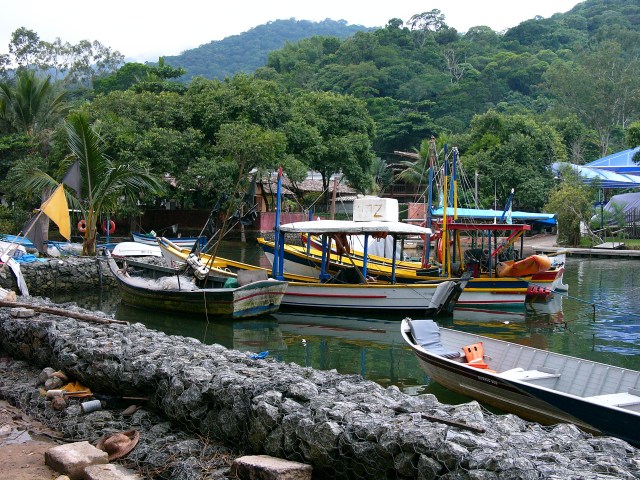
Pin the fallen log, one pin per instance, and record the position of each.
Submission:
(62, 312)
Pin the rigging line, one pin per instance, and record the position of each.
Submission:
(206, 314)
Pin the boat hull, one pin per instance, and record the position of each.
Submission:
(499, 292)
(184, 242)
(497, 392)
(257, 298)
(548, 388)
(503, 293)
(414, 298)
(135, 249)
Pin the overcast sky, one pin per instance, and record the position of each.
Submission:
(142, 30)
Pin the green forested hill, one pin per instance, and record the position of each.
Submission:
(248, 51)
(564, 88)
(422, 76)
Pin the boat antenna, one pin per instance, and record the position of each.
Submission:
(495, 200)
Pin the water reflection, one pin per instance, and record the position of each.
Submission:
(372, 346)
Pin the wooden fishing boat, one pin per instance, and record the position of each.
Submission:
(486, 288)
(163, 288)
(150, 239)
(135, 249)
(338, 294)
(535, 384)
(176, 256)
(499, 293)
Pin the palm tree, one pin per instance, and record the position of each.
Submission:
(104, 185)
(416, 171)
(31, 105)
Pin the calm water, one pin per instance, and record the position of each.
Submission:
(599, 320)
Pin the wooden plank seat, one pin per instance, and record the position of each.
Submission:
(620, 399)
(527, 375)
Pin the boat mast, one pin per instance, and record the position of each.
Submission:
(445, 196)
(278, 261)
(427, 242)
(458, 246)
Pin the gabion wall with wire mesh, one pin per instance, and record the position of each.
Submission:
(164, 451)
(59, 275)
(342, 425)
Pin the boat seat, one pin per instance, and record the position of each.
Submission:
(426, 333)
(621, 399)
(527, 375)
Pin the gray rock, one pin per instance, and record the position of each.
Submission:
(346, 427)
(71, 459)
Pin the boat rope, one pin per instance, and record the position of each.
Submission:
(206, 311)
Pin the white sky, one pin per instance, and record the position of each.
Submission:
(142, 30)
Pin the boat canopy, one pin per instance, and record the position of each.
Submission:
(355, 228)
(489, 214)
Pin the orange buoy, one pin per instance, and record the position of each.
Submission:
(82, 226)
(112, 227)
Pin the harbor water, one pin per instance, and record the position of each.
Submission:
(597, 319)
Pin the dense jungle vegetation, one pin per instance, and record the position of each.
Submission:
(246, 52)
(564, 88)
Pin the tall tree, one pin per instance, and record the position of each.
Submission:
(571, 200)
(602, 88)
(78, 63)
(512, 151)
(337, 137)
(105, 186)
(30, 105)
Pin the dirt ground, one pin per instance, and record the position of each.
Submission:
(23, 442)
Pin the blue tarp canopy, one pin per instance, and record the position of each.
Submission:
(617, 170)
(488, 214)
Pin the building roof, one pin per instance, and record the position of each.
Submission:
(620, 162)
(604, 177)
(307, 185)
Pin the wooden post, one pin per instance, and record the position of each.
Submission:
(333, 197)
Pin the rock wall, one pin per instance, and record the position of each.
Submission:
(344, 426)
(59, 275)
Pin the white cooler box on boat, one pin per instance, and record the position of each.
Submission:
(370, 209)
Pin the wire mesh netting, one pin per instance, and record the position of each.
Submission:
(207, 405)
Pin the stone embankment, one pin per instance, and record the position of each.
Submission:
(60, 275)
(344, 426)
